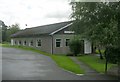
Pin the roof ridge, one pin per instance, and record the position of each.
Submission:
(45, 29)
(48, 25)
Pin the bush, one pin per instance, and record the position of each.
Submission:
(75, 46)
(112, 54)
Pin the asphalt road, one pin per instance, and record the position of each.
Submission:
(26, 65)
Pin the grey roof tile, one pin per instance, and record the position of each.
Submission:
(40, 30)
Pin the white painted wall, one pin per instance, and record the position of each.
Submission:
(12, 42)
(87, 47)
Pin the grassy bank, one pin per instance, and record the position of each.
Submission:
(67, 63)
(25, 48)
(62, 61)
(95, 63)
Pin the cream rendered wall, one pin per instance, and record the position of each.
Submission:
(87, 47)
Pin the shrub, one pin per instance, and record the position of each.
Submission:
(75, 46)
(112, 54)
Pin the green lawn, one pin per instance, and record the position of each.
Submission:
(95, 63)
(62, 61)
(67, 63)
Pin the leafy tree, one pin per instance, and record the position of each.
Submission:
(98, 22)
(3, 29)
(11, 30)
(75, 46)
(112, 55)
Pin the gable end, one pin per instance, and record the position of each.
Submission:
(60, 29)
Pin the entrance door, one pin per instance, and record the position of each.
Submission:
(82, 47)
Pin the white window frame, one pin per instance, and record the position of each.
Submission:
(24, 43)
(66, 41)
(37, 42)
(30, 43)
(60, 43)
(12, 42)
(19, 42)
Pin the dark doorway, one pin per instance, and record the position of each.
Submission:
(82, 47)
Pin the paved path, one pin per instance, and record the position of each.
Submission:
(26, 65)
(89, 71)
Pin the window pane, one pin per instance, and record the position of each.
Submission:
(67, 42)
(15, 42)
(20, 42)
(58, 42)
(25, 42)
(38, 42)
(31, 43)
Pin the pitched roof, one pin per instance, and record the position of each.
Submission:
(41, 30)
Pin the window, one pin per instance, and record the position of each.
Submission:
(24, 43)
(31, 43)
(58, 42)
(15, 42)
(67, 42)
(19, 43)
(12, 42)
(38, 43)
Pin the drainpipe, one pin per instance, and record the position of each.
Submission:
(52, 44)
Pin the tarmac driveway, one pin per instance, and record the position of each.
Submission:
(26, 65)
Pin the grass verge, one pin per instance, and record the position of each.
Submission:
(95, 63)
(67, 63)
(62, 61)
(25, 48)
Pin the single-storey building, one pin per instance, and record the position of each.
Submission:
(52, 38)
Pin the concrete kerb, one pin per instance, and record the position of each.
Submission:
(72, 72)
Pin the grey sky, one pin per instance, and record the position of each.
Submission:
(34, 12)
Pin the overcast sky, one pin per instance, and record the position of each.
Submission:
(34, 12)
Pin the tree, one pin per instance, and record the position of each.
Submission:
(6, 32)
(11, 30)
(3, 29)
(97, 22)
(75, 46)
